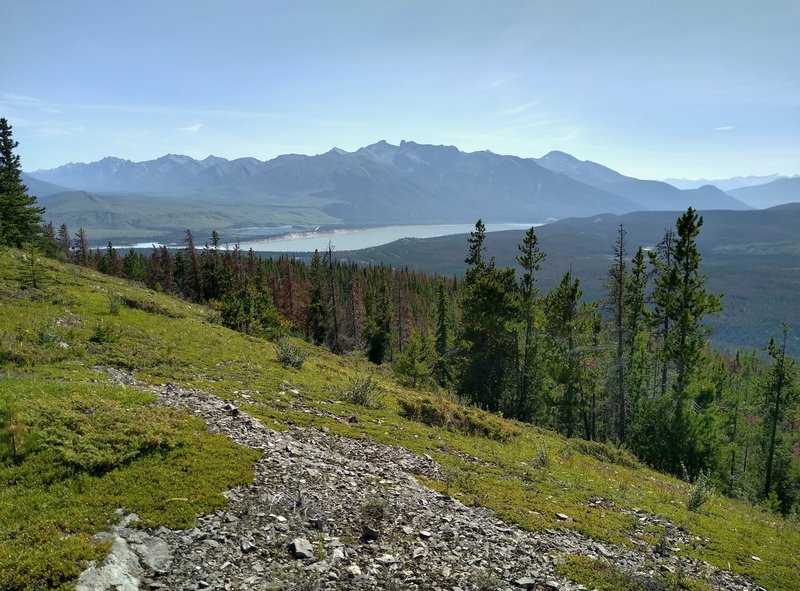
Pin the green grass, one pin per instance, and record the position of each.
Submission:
(526, 475)
(604, 576)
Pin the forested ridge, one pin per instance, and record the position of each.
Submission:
(636, 369)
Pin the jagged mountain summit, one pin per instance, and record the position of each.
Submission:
(378, 184)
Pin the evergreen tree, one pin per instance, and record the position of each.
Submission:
(563, 316)
(20, 218)
(442, 369)
(780, 395)
(81, 248)
(193, 283)
(662, 297)
(133, 266)
(476, 247)
(317, 310)
(683, 301)
(490, 311)
(412, 364)
(636, 358)
(33, 273)
(212, 271)
(49, 241)
(530, 259)
(334, 338)
(378, 330)
(64, 243)
(616, 303)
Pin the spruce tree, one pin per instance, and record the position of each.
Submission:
(780, 394)
(530, 259)
(563, 316)
(683, 302)
(20, 218)
(616, 303)
(490, 312)
(442, 369)
(317, 310)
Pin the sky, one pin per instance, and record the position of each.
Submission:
(653, 89)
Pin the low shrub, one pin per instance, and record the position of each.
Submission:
(290, 354)
(373, 510)
(604, 452)
(149, 306)
(114, 303)
(363, 391)
(105, 333)
(437, 412)
(701, 492)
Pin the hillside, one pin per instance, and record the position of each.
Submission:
(782, 190)
(378, 184)
(743, 253)
(100, 379)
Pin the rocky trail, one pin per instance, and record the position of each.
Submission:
(326, 512)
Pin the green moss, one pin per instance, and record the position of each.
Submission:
(604, 576)
(80, 451)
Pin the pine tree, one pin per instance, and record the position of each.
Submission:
(49, 241)
(64, 243)
(193, 282)
(133, 266)
(81, 248)
(530, 259)
(682, 303)
(636, 358)
(563, 315)
(617, 282)
(442, 369)
(317, 310)
(780, 395)
(378, 330)
(334, 338)
(412, 364)
(490, 312)
(664, 286)
(476, 247)
(20, 218)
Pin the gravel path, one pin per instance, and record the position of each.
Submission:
(327, 512)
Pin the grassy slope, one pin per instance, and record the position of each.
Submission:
(525, 474)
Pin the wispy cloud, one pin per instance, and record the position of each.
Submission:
(194, 128)
(723, 128)
(18, 98)
(518, 109)
(502, 81)
(57, 129)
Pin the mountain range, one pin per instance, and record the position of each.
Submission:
(375, 185)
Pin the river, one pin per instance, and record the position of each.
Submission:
(353, 239)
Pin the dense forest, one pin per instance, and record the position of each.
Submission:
(635, 369)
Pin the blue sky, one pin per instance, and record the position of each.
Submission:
(653, 89)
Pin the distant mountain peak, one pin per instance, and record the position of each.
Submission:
(385, 182)
(560, 155)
